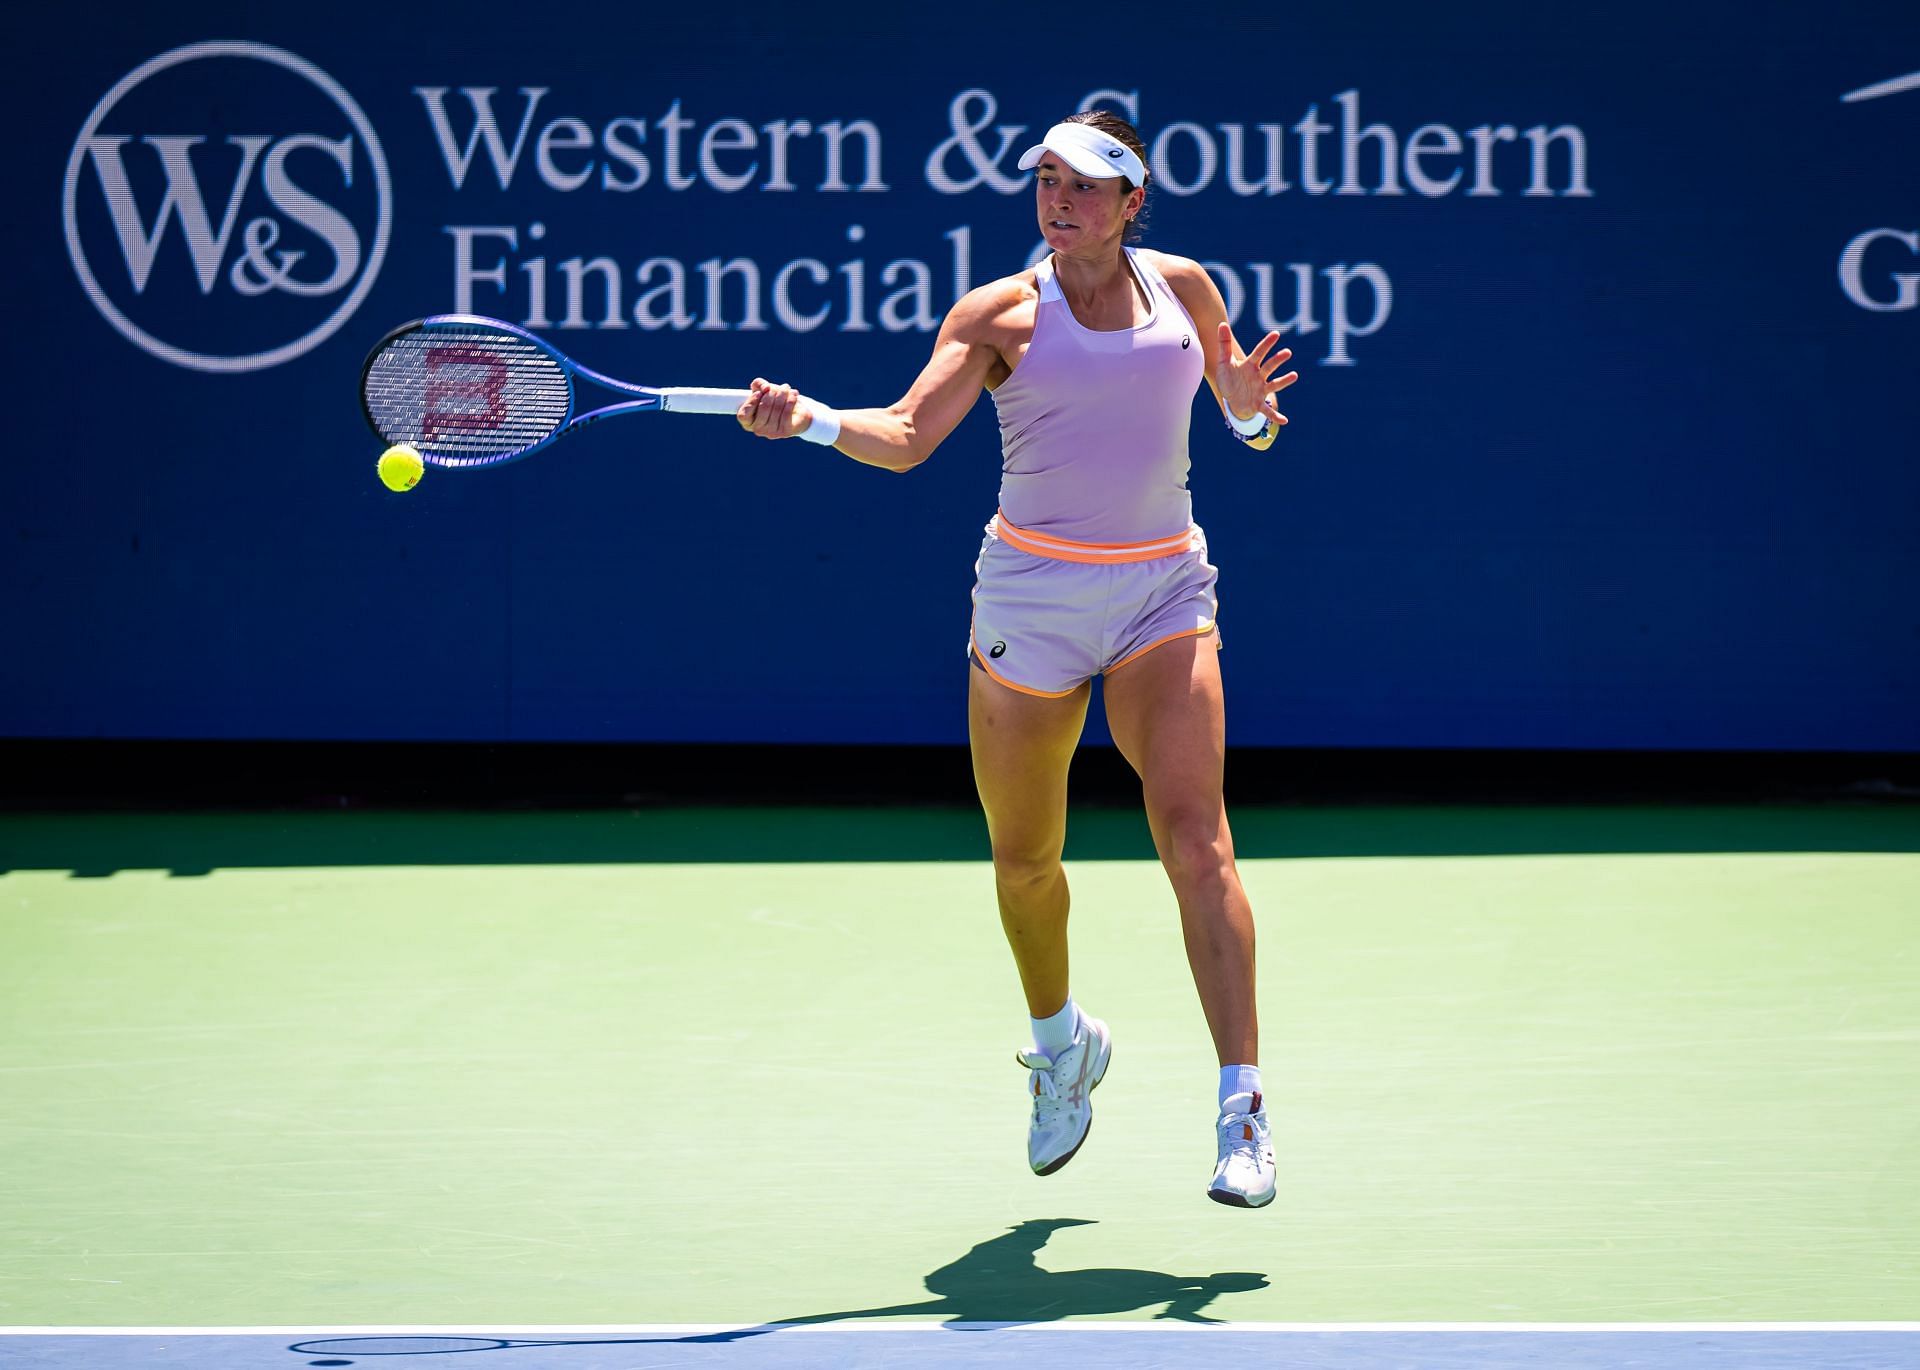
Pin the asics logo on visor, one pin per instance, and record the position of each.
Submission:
(1115, 153)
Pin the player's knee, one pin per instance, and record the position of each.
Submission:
(1017, 868)
(1196, 852)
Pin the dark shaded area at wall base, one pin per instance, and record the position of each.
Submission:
(147, 774)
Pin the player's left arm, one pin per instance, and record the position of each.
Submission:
(1242, 382)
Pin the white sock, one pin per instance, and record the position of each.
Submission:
(1054, 1035)
(1238, 1080)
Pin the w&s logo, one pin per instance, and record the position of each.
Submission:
(227, 206)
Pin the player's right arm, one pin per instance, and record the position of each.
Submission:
(904, 434)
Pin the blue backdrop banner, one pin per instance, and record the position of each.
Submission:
(1607, 321)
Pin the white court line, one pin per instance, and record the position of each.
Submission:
(695, 1329)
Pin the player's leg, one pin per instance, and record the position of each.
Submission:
(1167, 715)
(1022, 746)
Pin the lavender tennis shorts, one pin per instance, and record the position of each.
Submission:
(1050, 614)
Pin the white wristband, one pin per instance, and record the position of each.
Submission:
(825, 426)
(1252, 427)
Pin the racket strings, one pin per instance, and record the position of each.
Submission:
(466, 396)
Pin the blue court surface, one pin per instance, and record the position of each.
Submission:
(1106, 1346)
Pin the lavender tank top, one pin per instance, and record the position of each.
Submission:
(1093, 425)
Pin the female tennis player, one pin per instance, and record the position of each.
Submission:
(1093, 566)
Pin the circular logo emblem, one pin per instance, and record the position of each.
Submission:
(228, 194)
(999, 650)
(1186, 341)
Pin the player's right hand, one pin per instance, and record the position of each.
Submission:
(772, 411)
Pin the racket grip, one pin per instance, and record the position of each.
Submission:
(687, 399)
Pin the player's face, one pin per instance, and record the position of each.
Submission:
(1078, 211)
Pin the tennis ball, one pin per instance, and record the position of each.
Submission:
(400, 467)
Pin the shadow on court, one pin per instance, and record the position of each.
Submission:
(98, 844)
(998, 1283)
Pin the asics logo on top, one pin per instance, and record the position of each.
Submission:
(227, 206)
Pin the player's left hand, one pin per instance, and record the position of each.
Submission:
(1248, 385)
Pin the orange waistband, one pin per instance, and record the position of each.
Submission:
(1097, 553)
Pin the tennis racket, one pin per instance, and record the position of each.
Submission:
(471, 391)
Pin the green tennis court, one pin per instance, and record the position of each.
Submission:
(743, 1066)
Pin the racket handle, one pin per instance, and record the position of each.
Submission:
(687, 399)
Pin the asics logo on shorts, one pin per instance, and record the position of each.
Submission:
(999, 650)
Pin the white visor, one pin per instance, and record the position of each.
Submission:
(1088, 151)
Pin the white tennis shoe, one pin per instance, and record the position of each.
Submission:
(1244, 1176)
(1062, 1090)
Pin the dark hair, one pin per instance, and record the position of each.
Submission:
(1111, 124)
